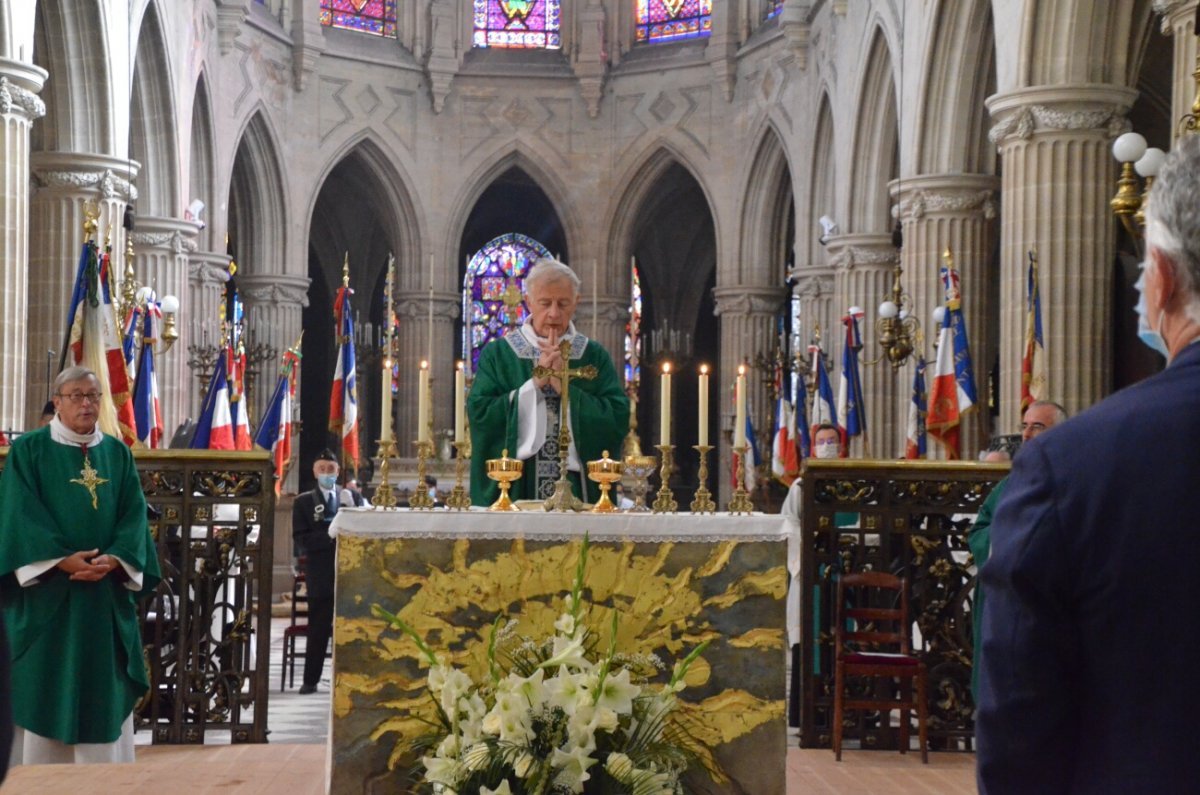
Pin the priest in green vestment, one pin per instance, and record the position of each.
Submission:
(75, 556)
(511, 409)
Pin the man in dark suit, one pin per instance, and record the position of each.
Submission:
(311, 514)
(1089, 650)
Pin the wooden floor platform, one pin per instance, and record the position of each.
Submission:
(300, 770)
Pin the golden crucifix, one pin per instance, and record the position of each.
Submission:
(89, 478)
(562, 499)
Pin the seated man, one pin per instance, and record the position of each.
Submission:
(511, 409)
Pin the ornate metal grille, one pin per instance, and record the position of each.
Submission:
(909, 518)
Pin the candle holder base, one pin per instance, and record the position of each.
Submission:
(385, 495)
(740, 502)
(563, 499)
(665, 501)
(459, 499)
(420, 499)
(703, 502)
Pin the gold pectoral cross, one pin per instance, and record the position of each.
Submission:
(562, 499)
(89, 478)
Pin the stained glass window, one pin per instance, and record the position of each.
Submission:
(377, 17)
(672, 20)
(518, 24)
(633, 333)
(773, 8)
(492, 285)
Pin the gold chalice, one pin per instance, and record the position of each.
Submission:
(606, 472)
(504, 470)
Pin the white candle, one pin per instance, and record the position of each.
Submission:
(664, 429)
(385, 401)
(739, 416)
(423, 403)
(460, 405)
(703, 436)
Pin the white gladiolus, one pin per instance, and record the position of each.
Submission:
(503, 789)
(618, 693)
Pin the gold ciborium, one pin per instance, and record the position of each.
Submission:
(639, 467)
(606, 472)
(504, 470)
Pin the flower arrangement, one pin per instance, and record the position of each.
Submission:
(554, 716)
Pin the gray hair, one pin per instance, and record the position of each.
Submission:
(548, 270)
(1060, 413)
(1171, 216)
(71, 374)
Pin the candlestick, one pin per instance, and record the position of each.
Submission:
(739, 416)
(385, 496)
(460, 405)
(702, 438)
(420, 499)
(665, 501)
(740, 503)
(423, 403)
(459, 499)
(703, 502)
(664, 424)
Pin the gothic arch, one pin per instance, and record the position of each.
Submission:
(1078, 42)
(768, 198)
(71, 43)
(256, 212)
(874, 160)
(960, 73)
(152, 122)
(538, 170)
(202, 157)
(822, 190)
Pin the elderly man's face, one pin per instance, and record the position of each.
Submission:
(78, 404)
(1036, 420)
(551, 306)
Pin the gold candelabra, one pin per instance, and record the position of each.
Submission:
(897, 329)
(703, 502)
(385, 495)
(420, 499)
(740, 502)
(665, 501)
(459, 499)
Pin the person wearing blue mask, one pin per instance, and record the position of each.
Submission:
(1086, 679)
(312, 513)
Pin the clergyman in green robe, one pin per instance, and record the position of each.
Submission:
(75, 556)
(511, 409)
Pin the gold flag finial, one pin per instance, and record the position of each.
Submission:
(346, 270)
(91, 218)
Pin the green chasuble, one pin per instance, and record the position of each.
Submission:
(979, 539)
(599, 412)
(77, 667)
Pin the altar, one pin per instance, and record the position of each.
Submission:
(674, 580)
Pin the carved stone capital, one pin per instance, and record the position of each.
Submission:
(414, 307)
(1175, 15)
(206, 271)
(813, 286)
(12, 96)
(1087, 108)
(949, 201)
(174, 240)
(48, 173)
(277, 294)
(849, 257)
(747, 301)
(606, 312)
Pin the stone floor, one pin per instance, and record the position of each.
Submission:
(293, 763)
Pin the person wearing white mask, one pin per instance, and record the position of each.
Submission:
(1086, 675)
(311, 514)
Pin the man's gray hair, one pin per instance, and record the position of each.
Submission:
(1172, 223)
(547, 270)
(1060, 413)
(72, 374)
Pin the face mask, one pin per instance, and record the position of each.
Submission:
(827, 450)
(327, 482)
(1150, 336)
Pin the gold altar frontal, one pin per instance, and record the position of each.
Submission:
(675, 580)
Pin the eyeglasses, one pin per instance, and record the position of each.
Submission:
(1033, 426)
(80, 397)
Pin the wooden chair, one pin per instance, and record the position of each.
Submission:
(294, 630)
(872, 640)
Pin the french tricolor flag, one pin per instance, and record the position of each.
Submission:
(214, 431)
(952, 393)
(823, 411)
(915, 442)
(343, 399)
(146, 408)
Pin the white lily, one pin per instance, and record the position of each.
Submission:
(617, 693)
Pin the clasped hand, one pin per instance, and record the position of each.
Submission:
(88, 565)
(550, 357)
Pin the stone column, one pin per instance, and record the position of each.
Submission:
(815, 287)
(65, 182)
(1178, 20)
(612, 314)
(274, 303)
(413, 346)
(19, 108)
(864, 268)
(1058, 177)
(747, 316)
(161, 247)
(955, 212)
(199, 326)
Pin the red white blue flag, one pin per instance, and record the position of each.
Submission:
(343, 400)
(952, 393)
(214, 430)
(275, 430)
(852, 416)
(1033, 362)
(823, 411)
(916, 441)
(146, 406)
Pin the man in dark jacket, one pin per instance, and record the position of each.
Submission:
(1088, 674)
(311, 514)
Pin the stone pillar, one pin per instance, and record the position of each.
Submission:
(65, 183)
(1178, 20)
(413, 345)
(274, 303)
(612, 314)
(864, 268)
(955, 212)
(747, 316)
(19, 108)
(200, 328)
(815, 287)
(1058, 177)
(161, 247)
